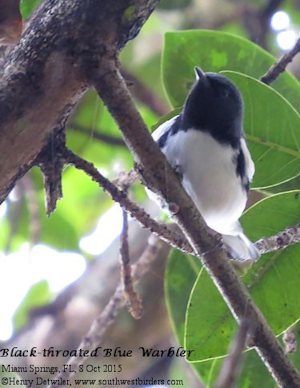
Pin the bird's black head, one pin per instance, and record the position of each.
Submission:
(214, 105)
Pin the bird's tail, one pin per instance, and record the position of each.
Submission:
(240, 247)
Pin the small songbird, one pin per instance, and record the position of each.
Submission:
(205, 144)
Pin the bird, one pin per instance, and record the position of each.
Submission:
(205, 144)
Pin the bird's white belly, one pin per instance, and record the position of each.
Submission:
(209, 177)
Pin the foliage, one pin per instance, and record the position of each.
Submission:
(39, 294)
(28, 6)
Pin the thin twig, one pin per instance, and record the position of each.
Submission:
(280, 66)
(126, 179)
(281, 240)
(135, 306)
(163, 231)
(96, 334)
(231, 366)
(290, 341)
(107, 139)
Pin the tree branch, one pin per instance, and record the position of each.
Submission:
(155, 169)
(280, 66)
(232, 363)
(281, 240)
(135, 306)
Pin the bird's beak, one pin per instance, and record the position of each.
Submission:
(199, 73)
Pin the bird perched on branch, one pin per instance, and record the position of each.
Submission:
(206, 146)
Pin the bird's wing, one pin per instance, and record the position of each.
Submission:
(249, 165)
(163, 128)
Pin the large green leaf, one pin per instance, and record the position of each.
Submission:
(216, 51)
(209, 324)
(272, 129)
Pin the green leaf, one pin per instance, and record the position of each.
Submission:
(58, 231)
(252, 374)
(277, 298)
(39, 294)
(272, 130)
(82, 204)
(28, 6)
(216, 51)
(292, 184)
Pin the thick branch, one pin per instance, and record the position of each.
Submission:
(113, 91)
(63, 39)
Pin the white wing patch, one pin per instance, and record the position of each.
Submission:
(249, 165)
(163, 128)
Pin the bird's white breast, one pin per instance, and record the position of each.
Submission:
(209, 177)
